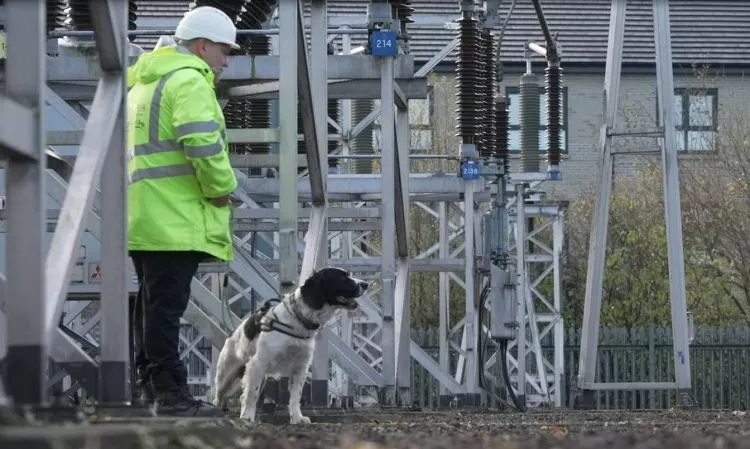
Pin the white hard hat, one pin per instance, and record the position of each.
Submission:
(209, 23)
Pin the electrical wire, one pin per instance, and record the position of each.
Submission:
(506, 375)
(501, 33)
(480, 346)
(481, 351)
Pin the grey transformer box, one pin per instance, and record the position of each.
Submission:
(503, 299)
(495, 238)
(503, 304)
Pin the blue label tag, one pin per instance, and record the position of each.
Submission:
(470, 170)
(383, 43)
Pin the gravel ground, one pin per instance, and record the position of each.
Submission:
(376, 430)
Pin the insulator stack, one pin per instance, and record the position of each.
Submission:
(481, 96)
(468, 81)
(55, 14)
(502, 120)
(235, 112)
(232, 8)
(235, 115)
(252, 17)
(553, 83)
(258, 113)
(334, 111)
(529, 107)
(402, 10)
(79, 15)
(132, 17)
(490, 81)
(255, 13)
(363, 143)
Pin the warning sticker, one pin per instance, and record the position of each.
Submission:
(95, 273)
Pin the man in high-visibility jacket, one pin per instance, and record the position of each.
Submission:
(179, 195)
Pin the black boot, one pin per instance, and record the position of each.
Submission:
(173, 399)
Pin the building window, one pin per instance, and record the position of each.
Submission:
(696, 118)
(514, 128)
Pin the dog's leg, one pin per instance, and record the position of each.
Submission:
(296, 383)
(251, 384)
(224, 366)
(225, 381)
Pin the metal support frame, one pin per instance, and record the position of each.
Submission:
(114, 368)
(402, 305)
(25, 301)
(388, 231)
(373, 347)
(541, 314)
(33, 306)
(587, 383)
(288, 97)
(314, 109)
(471, 316)
(76, 69)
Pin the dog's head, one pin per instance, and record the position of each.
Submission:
(332, 287)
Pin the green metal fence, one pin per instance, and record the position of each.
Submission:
(720, 360)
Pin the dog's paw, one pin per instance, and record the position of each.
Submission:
(247, 418)
(299, 420)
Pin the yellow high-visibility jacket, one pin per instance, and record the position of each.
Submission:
(177, 157)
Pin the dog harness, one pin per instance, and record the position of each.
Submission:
(271, 323)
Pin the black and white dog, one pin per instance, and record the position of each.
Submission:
(279, 340)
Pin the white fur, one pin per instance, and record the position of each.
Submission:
(271, 354)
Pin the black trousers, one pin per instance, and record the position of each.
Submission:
(164, 279)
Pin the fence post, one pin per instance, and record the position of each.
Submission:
(651, 361)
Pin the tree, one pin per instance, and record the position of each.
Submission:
(715, 217)
(432, 134)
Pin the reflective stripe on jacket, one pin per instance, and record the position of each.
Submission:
(178, 157)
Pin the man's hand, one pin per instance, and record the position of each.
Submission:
(221, 201)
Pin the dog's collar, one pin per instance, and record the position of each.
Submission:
(270, 322)
(309, 325)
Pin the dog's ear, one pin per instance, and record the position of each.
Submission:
(312, 291)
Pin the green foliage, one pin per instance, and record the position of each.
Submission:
(715, 201)
(636, 275)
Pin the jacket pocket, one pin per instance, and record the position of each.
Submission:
(218, 224)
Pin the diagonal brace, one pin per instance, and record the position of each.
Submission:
(109, 42)
(401, 180)
(80, 195)
(309, 127)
